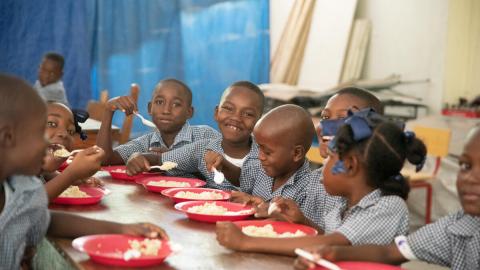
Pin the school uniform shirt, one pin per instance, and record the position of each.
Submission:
(52, 92)
(317, 201)
(261, 184)
(191, 160)
(24, 219)
(375, 219)
(453, 241)
(186, 135)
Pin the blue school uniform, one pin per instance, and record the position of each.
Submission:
(191, 160)
(24, 219)
(261, 185)
(375, 219)
(453, 241)
(186, 135)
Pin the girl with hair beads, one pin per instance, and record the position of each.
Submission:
(363, 171)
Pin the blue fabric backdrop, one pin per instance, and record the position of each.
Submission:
(110, 44)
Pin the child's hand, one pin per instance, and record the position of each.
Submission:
(91, 181)
(144, 229)
(244, 198)
(137, 163)
(230, 236)
(86, 162)
(323, 251)
(213, 160)
(50, 162)
(125, 104)
(287, 210)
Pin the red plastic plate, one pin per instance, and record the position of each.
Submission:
(278, 226)
(96, 195)
(234, 207)
(113, 170)
(146, 182)
(109, 249)
(170, 193)
(362, 266)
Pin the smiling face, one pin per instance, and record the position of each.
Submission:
(60, 125)
(238, 113)
(468, 178)
(170, 107)
(276, 152)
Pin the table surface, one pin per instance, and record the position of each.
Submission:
(129, 202)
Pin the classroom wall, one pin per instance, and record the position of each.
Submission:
(409, 38)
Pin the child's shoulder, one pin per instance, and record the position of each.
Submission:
(204, 132)
(25, 183)
(388, 203)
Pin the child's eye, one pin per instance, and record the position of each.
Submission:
(159, 102)
(464, 166)
(177, 104)
(248, 114)
(227, 108)
(71, 132)
(51, 124)
(324, 117)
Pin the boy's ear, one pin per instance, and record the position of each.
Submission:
(215, 114)
(191, 110)
(7, 135)
(149, 106)
(352, 164)
(298, 153)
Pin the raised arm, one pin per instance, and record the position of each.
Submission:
(125, 104)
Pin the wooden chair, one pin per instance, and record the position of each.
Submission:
(437, 141)
(96, 109)
(313, 155)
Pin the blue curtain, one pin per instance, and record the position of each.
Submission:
(28, 29)
(207, 44)
(109, 44)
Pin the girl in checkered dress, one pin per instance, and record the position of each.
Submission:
(452, 241)
(363, 172)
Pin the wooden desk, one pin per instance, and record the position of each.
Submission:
(130, 203)
(91, 128)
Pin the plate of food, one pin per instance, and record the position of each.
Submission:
(120, 172)
(80, 195)
(196, 194)
(160, 183)
(123, 250)
(215, 211)
(274, 229)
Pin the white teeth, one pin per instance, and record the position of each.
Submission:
(233, 127)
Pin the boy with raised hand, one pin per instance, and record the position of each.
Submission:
(170, 109)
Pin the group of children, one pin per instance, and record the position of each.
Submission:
(357, 198)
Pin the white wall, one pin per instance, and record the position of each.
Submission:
(409, 37)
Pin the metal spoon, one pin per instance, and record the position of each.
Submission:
(146, 122)
(218, 177)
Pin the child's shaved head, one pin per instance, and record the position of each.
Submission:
(250, 86)
(289, 123)
(18, 99)
(179, 85)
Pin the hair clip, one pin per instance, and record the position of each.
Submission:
(409, 135)
(420, 165)
(339, 167)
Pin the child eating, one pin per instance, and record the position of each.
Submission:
(170, 108)
(452, 241)
(363, 170)
(241, 105)
(24, 216)
(60, 132)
